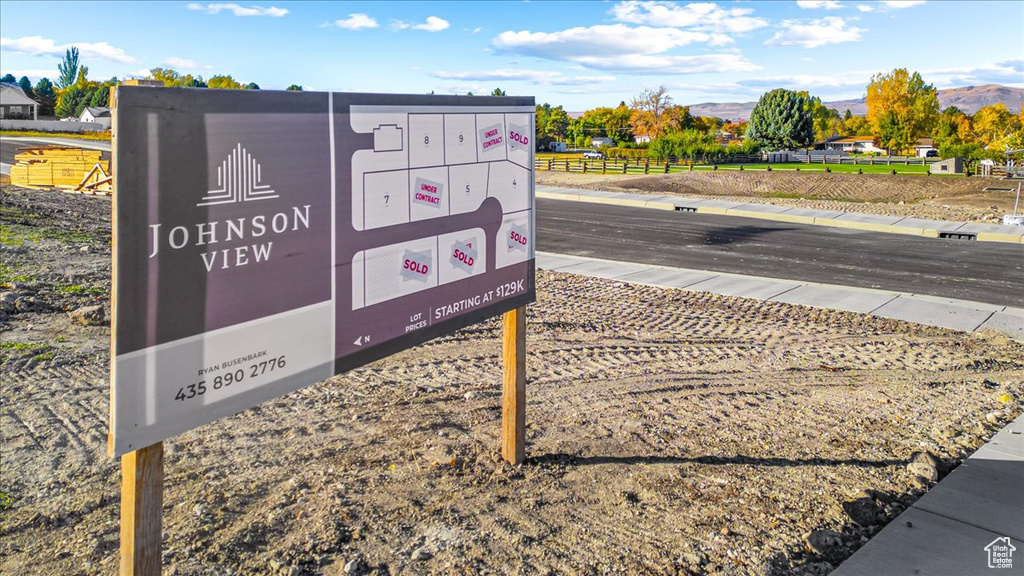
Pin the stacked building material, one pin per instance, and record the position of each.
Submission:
(73, 169)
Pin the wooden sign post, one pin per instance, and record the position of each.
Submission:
(513, 401)
(142, 496)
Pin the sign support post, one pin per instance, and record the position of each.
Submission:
(513, 401)
(142, 483)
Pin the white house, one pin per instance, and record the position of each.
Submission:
(99, 115)
(923, 147)
(15, 105)
(854, 145)
(598, 141)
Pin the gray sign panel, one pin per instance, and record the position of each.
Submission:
(268, 240)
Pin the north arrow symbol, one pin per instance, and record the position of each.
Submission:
(359, 341)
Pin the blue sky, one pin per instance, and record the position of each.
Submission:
(576, 54)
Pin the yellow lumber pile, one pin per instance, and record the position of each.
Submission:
(71, 169)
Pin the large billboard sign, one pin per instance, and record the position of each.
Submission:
(265, 241)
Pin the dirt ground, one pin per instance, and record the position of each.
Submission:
(935, 198)
(669, 432)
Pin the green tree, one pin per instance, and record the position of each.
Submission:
(780, 120)
(824, 119)
(617, 126)
(71, 101)
(251, 86)
(901, 109)
(952, 128)
(294, 88)
(541, 119)
(558, 123)
(26, 86)
(68, 69)
(45, 96)
(498, 92)
(9, 79)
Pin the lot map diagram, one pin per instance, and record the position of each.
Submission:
(267, 241)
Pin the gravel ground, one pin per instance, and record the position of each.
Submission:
(669, 432)
(933, 198)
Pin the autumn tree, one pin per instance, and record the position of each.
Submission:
(952, 128)
(781, 120)
(647, 112)
(557, 123)
(824, 119)
(993, 125)
(901, 108)
(221, 81)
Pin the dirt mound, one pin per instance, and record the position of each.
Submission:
(930, 197)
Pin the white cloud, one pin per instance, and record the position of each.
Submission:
(474, 30)
(815, 33)
(819, 4)
(353, 22)
(899, 4)
(602, 40)
(237, 10)
(433, 24)
(543, 77)
(663, 64)
(699, 16)
(887, 5)
(1007, 72)
(39, 46)
(180, 62)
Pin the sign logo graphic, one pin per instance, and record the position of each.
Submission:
(239, 179)
(1000, 553)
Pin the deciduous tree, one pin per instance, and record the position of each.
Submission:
(780, 120)
(294, 88)
(901, 108)
(647, 112)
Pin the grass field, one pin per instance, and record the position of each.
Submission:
(899, 167)
(101, 136)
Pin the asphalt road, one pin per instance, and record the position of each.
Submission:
(987, 272)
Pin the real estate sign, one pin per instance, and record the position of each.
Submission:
(268, 240)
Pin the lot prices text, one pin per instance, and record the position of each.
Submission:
(212, 236)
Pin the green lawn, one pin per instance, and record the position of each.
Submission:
(840, 168)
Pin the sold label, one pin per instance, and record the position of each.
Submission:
(518, 137)
(464, 254)
(427, 193)
(517, 239)
(416, 265)
(491, 137)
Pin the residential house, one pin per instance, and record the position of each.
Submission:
(96, 114)
(15, 105)
(923, 147)
(854, 145)
(598, 141)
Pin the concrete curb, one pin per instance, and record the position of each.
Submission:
(962, 315)
(948, 530)
(836, 219)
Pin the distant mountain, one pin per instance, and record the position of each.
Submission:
(969, 99)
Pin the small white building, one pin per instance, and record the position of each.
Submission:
(97, 114)
(923, 147)
(598, 141)
(854, 145)
(558, 146)
(15, 105)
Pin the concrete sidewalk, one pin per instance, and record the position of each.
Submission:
(963, 526)
(923, 309)
(853, 220)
